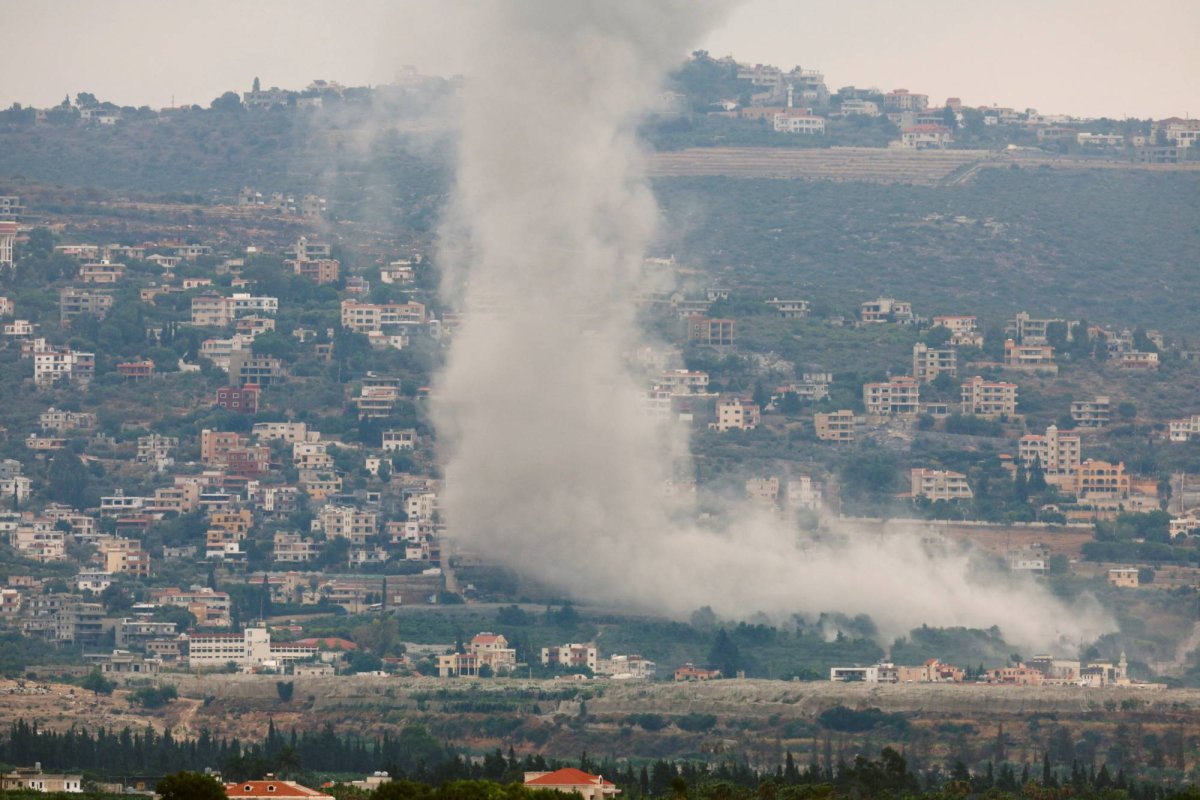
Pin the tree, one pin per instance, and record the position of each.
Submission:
(68, 480)
(725, 655)
(1127, 410)
(285, 689)
(95, 682)
(190, 786)
(227, 102)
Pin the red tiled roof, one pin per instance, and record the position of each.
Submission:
(271, 789)
(567, 777)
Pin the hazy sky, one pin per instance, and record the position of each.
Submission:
(1084, 57)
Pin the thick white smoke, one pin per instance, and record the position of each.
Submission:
(552, 468)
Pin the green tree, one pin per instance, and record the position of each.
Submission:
(725, 655)
(68, 480)
(189, 786)
(95, 682)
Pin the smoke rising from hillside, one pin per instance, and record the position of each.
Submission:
(552, 468)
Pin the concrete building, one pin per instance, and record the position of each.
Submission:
(796, 120)
(1184, 430)
(1026, 330)
(33, 779)
(74, 303)
(964, 330)
(630, 667)
(836, 426)
(736, 414)
(937, 485)
(1094, 413)
(789, 309)
(486, 649)
(897, 396)
(926, 137)
(1099, 481)
(8, 241)
(1059, 453)
(929, 362)
(249, 649)
(711, 332)
(886, 309)
(1029, 357)
(1124, 577)
(992, 399)
(368, 317)
(572, 656)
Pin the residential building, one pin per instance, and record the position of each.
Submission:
(74, 303)
(1027, 330)
(630, 667)
(1124, 577)
(1183, 133)
(51, 365)
(156, 449)
(79, 623)
(241, 400)
(311, 455)
(486, 649)
(683, 381)
(804, 492)
(964, 330)
(210, 608)
(798, 120)
(394, 440)
(899, 395)
(736, 414)
(1184, 430)
(789, 309)
(886, 309)
(572, 656)
(690, 672)
(1029, 357)
(929, 362)
(1058, 452)
(1132, 359)
(101, 272)
(1098, 481)
(711, 332)
(287, 432)
(926, 137)
(215, 446)
(368, 317)
(32, 779)
(764, 490)
(57, 421)
(836, 426)
(937, 485)
(11, 208)
(136, 370)
(272, 787)
(346, 522)
(8, 240)
(572, 781)
(294, 548)
(123, 665)
(1094, 413)
(125, 557)
(319, 270)
(216, 311)
(247, 368)
(904, 100)
(992, 399)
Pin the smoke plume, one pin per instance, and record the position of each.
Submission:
(552, 466)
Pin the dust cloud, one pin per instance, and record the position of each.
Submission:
(552, 466)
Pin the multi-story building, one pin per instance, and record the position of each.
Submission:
(247, 368)
(32, 779)
(58, 421)
(836, 426)
(964, 330)
(74, 303)
(318, 270)
(904, 100)
(101, 272)
(405, 439)
(899, 395)
(1094, 413)
(630, 667)
(1101, 481)
(1058, 453)
(135, 632)
(938, 484)
(291, 548)
(250, 648)
(991, 399)
(211, 608)
(53, 364)
(1027, 330)
(287, 432)
(572, 656)
(216, 311)
(886, 309)
(311, 455)
(1029, 357)
(125, 557)
(8, 241)
(39, 539)
(929, 362)
(346, 522)
(736, 414)
(239, 399)
(215, 446)
(11, 208)
(486, 649)
(683, 381)
(789, 309)
(79, 622)
(368, 317)
(1184, 430)
(798, 120)
(712, 332)
(1133, 359)
(926, 137)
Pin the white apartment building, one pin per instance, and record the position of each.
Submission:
(886, 309)
(805, 124)
(368, 317)
(248, 649)
(991, 399)
(394, 440)
(288, 432)
(346, 522)
(572, 656)
(683, 381)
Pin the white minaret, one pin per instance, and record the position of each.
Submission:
(790, 96)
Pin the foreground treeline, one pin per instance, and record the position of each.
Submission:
(425, 769)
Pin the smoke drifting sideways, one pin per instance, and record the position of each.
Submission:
(552, 466)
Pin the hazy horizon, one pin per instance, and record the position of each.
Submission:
(1025, 54)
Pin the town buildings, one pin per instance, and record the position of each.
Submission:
(897, 396)
(991, 399)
